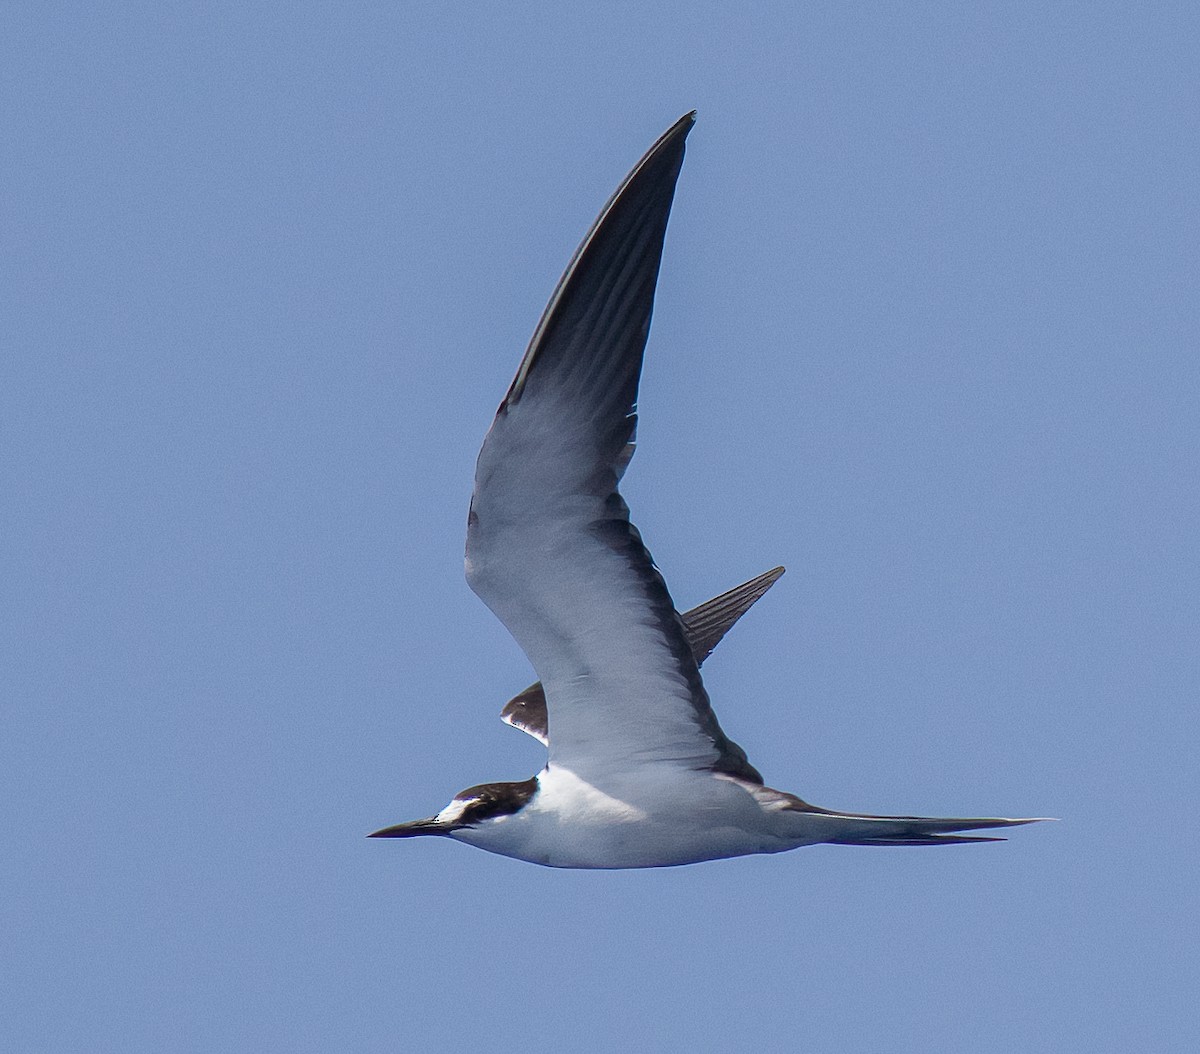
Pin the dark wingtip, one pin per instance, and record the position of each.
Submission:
(678, 131)
(654, 176)
(685, 122)
(707, 623)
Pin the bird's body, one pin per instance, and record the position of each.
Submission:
(640, 773)
(652, 817)
(663, 815)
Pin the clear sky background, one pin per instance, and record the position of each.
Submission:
(927, 333)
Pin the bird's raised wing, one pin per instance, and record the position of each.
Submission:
(704, 626)
(550, 548)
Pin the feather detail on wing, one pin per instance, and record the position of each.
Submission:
(704, 625)
(550, 548)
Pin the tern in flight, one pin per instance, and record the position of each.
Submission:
(639, 773)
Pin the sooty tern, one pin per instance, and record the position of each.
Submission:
(640, 773)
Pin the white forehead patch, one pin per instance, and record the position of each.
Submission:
(452, 813)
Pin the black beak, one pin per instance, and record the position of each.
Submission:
(412, 829)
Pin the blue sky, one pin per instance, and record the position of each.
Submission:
(927, 334)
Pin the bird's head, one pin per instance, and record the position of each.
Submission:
(472, 807)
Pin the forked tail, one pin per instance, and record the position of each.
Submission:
(855, 829)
